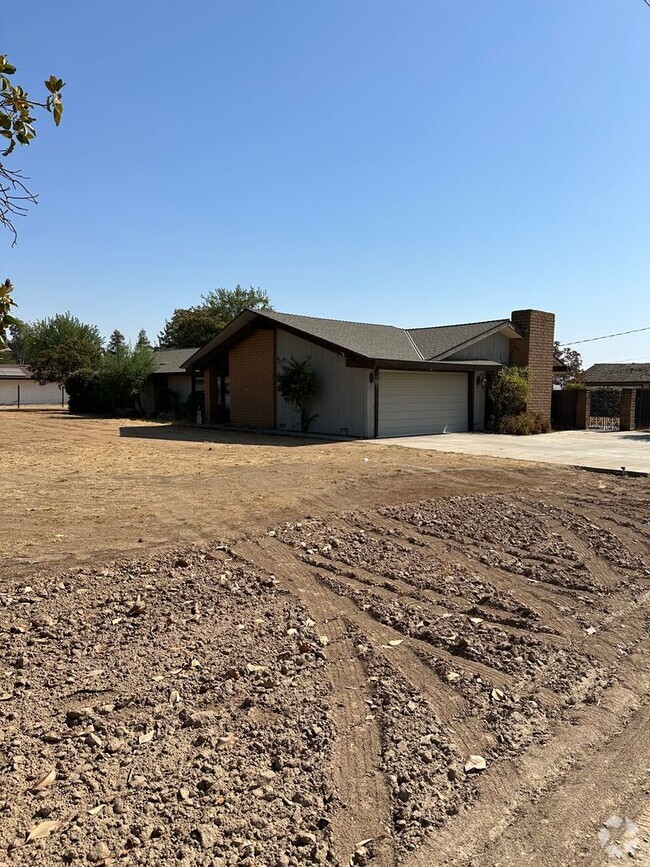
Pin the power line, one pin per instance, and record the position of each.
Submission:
(606, 336)
(636, 358)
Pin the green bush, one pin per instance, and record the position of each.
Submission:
(297, 385)
(509, 394)
(115, 386)
(524, 424)
(605, 402)
(84, 393)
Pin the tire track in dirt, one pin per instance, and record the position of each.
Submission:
(504, 776)
(364, 810)
(438, 601)
(612, 780)
(511, 784)
(527, 590)
(535, 688)
(449, 707)
(476, 837)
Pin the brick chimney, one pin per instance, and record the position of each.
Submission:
(535, 351)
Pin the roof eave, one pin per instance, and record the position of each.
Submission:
(433, 366)
(619, 383)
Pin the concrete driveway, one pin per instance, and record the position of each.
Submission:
(577, 448)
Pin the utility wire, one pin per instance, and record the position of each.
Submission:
(636, 358)
(606, 336)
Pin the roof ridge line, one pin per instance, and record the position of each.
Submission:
(328, 319)
(457, 324)
(415, 346)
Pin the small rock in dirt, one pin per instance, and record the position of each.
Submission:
(137, 608)
(99, 852)
(208, 835)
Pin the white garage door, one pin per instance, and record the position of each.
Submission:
(422, 403)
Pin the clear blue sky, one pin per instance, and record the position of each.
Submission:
(413, 163)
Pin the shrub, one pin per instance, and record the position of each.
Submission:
(84, 391)
(606, 402)
(115, 386)
(509, 394)
(297, 385)
(524, 424)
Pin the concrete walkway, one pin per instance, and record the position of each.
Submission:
(594, 449)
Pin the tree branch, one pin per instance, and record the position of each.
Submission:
(13, 193)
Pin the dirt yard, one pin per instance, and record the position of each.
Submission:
(222, 650)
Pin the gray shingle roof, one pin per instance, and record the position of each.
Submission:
(373, 341)
(440, 340)
(170, 360)
(380, 343)
(617, 374)
(387, 341)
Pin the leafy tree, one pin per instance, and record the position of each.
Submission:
(115, 385)
(6, 303)
(509, 394)
(196, 326)
(17, 127)
(17, 341)
(228, 303)
(116, 343)
(143, 340)
(57, 346)
(572, 360)
(297, 384)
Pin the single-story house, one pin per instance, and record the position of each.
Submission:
(629, 375)
(633, 380)
(372, 380)
(170, 386)
(19, 388)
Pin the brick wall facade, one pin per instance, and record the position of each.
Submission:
(535, 351)
(628, 408)
(252, 380)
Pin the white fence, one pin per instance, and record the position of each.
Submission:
(604, 422)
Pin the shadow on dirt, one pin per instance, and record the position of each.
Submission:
(224, 437)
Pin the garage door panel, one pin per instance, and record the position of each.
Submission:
(422, 403)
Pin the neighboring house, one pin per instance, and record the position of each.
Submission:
(618, 375)
(19, 388)
(170, 386)
(373, 380)
(634, 382)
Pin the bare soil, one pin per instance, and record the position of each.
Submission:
(222, 650)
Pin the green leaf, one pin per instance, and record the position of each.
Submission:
(57, 112)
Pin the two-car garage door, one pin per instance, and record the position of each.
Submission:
(422, 403)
